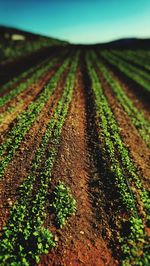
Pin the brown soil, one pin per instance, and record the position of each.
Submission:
(21, 163)
(80, 241)
(133, 141)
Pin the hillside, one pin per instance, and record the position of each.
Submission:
(15, 43)
(127, 43)
(6, 33)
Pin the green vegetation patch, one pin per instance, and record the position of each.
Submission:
(64, 204)
(133, 252)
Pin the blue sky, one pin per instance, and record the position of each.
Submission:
(79, 21)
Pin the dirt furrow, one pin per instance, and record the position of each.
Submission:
(21, 163)
(79, 242)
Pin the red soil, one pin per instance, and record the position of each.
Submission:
(79, 242)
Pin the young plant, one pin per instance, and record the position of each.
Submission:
(64, 204)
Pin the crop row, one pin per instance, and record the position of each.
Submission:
(143, 74)
(137, 117)
(140, 54)
(121, 150)
(25, 120)
(22, 76)
(19, 88)
(24, 237)
(129, 56)
(121, 60)
(129, 70)
(30, 80)
(122, 169)
(19, 102)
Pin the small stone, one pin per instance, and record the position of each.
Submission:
(56, 238)
(10, 203)
(82, 232)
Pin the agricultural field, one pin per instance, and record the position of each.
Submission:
(74, 156)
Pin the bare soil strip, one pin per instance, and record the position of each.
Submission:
(20, 166)
(80, 241)
(137, 147)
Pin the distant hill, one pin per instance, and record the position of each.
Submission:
(126, 43)
(9, 33)
(16, 43)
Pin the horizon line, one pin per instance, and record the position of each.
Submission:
(73, 43)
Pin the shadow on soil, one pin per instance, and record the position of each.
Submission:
(104, 198)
